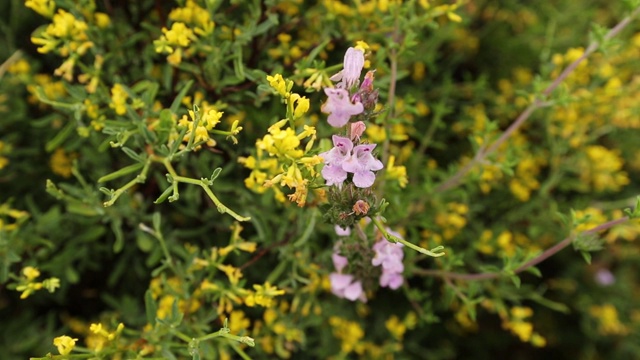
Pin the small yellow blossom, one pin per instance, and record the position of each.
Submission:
(119, 98)
(65, 344)
(608, 320)
(61, 162)
(397, 173)
(31, 273)
(263, 295)
(348, 332)
(45, 8)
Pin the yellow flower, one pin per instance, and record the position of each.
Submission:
(395, 327)
(64, 344)
(30, 273)
(61, 162)
(280, 85)
(302, 106)
(42, 7)
(179, 34)
(398, 173)
(263, 295)
(119, 99)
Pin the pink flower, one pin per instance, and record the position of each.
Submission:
(353, 64)
(332, 172)
(339, 261)
(391, 280)
(357, 129)
(389, 255)
(339, 107)
(345, 286)
(362, 164)
(340, 231)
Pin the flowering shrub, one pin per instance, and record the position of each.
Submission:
(286, 179)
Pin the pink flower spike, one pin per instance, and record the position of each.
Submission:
(339, 107)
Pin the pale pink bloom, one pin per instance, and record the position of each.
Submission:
(345, 286)
(340, 231)
(357, 129)
(339, 107)
(362, 164)
(350, 74)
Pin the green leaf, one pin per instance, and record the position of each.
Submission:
(151, 308)
(175, 105)
(535, 271)
(124, 171)
(132, 154)
(60, 137)
(516, 280)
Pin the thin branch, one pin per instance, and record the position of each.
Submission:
(533, 262)
(455, 180)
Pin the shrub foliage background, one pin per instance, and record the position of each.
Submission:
(156, 240)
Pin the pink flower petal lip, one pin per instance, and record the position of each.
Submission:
(339, 261)
(353, 291)
(339, 107)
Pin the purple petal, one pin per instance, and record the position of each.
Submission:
(391, 280)
(353, 291)
(364, 179)
(339, 261)
(333, 174)
(339, 282)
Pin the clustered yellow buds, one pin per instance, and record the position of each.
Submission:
(263, 295)
(280, 158)
(28, 284)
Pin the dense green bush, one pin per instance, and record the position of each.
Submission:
(288, 179)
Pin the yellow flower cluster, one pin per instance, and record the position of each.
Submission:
(450, 222)
(278, 333)
(506, 243)
(280, 157)
(523, 329)
(601, 169)
(61, 162)
(16, 217)
(349, 333)
(99, 337)
(45, 8)
(65, 344)
(28, 285)
(194, 15)
(262, 295)
(189, 22)
(608, 320)
(398, 328)
(169, 291)
(66, 34)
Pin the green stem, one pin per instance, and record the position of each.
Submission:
(139, 179)
(533, 262)
(435, 252)
(219, 205)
